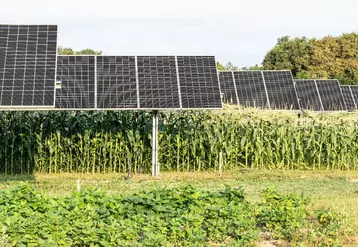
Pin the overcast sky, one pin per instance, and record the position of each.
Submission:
(232, 30)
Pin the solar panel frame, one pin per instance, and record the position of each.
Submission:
(287, 95)
(308, 95)
(251, 88)
(77, 80)
(228, 87)
(348, 98)
(331, 95)
(34, 48)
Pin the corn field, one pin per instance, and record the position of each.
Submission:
(102, 142)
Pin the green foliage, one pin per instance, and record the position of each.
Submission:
(284, 216)
(69, 51)
(65, 51)
(329, 57)
(228, 66)
(102, 142)
(291, 54)
(4, 240)
(164, 217)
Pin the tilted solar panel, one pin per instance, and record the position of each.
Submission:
(116, 82)
(348, 98)
(143, 82)
(228, 87)
(251, 89)
(331, 95)
(280, 89)
(354, 90)
(158, 82)
(27, 65)
(77, 77)
(308, 95)
(199, 83)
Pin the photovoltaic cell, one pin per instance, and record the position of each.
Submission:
(348, 98)
(227, 86)
(27, 65)
(308, 95)
(251, 89)
(77, 77)
(158, 82)
(280, 89)
(331, 95)
(199, 84)
(354, 90)
(116, 82)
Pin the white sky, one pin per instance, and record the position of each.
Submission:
(240, 31)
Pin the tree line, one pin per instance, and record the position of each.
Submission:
(327, 58)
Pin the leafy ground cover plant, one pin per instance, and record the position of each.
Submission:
(180, 216)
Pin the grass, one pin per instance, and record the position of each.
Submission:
(335, 189)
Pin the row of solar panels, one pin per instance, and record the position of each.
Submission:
(137, 82)
(33, 76)
(278, 90)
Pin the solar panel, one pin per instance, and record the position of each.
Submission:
(354, 90)
(27, 65)
(251, 89)
(158, 82)
(143, 82)
(77, 77)
(228, 87)
(308, 96)
(331, 95)
(117, 82)
(280, 89)
(348, 98)
(199, 83)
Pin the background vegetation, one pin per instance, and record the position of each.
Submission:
(327, 58)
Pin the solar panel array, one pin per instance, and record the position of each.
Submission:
(331, 95)
(152, 82)
(308, 95)
(251, 89)
(77, 77)
(348, 98)
(27, 65)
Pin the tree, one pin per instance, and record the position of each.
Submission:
(335, 57)
(69, 51)
(329, 57)
(65, 51)
(291, 54)
(228, 66)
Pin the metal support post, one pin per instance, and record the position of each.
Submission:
(155, 164)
